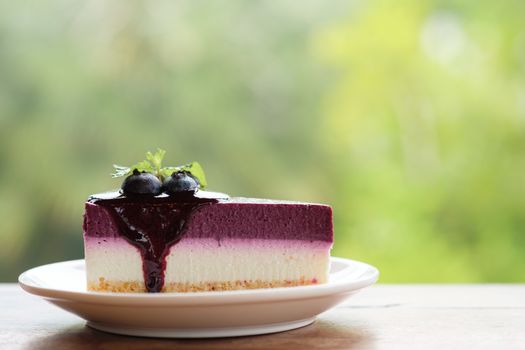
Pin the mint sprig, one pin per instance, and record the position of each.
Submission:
(153, 164)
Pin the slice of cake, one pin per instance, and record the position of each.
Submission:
(170, 236)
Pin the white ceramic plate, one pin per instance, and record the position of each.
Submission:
(196, 315)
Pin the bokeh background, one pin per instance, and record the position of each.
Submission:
(407, 116)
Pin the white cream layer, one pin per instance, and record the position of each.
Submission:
(207, 260)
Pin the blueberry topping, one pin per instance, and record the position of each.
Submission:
(180, 182)
(141, 183)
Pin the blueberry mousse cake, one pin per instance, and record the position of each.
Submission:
(162, 232)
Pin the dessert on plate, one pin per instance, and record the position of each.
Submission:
(162, 232)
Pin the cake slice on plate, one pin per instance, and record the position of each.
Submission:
(163, 233)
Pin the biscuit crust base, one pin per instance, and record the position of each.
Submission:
(103, 285)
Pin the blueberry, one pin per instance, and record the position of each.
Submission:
(141, 184)
(180, 182)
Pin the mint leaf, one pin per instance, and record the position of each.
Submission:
(156, 159)
(120, 171)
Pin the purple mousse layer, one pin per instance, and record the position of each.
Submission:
(234, 218)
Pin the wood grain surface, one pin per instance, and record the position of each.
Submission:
(381, 317)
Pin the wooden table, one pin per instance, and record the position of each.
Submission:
(381, 317)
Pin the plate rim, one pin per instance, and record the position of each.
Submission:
(368, 277)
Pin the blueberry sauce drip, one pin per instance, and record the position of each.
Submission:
(153, 228)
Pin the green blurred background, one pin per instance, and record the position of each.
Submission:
(408, 117)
